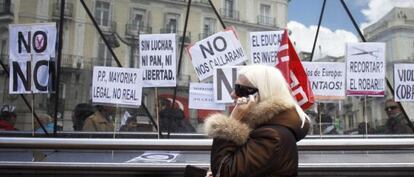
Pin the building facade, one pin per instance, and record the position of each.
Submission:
(396, 30)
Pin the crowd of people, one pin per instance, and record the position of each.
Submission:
(99, 118)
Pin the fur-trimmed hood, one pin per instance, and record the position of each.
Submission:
(267, 112)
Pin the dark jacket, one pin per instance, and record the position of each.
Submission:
(398, 125)
(173, 119)
(264, 144)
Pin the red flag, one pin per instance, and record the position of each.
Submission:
(289, 64)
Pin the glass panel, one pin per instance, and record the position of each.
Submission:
(122, 22)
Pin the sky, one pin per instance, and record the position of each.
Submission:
(336, 27)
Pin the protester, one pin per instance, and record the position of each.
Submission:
(363, 126)
(7, 117)
(172, 118)
(259, 137)
(101, 120)
(397, 122)
(131, 125)
(47, 123)
(79, 115)
(327, 125)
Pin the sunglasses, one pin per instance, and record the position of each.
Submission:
(390, 108)
(244, 91)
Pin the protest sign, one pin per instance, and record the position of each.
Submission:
(365, 69)
(404, 82)
(158, 59)
(264, 47)
(117, 85)
(31, 48)
(327, 79)
(220, 49)
(224, 79)
(201, 97)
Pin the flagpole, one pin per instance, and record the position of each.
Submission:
(365, 115)
(320, 122)
(157, 112)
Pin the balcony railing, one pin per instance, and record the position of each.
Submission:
(135, 30)
(72, 61)
(68, 10)
(6, 11)
(203, 2)
(179, 34)
(229, 14)
(107, 26)
(101, 61)
(265, 20)
(204, 35)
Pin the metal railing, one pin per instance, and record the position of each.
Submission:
(107, 27)
(229, 14)
(204, 35)
(68, 10)
(198, 144)
(179, 34)
(266, 20)
(72, 61)
(135, 30)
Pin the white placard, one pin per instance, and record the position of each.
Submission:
(31, 48)
(264, 46)
(114, 85)
(223, 80)
(365, 69)
(327, 79)
(220, 49)
(404, 82)
(158, 59)
(202, 97)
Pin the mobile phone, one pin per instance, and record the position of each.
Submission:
(245, 100)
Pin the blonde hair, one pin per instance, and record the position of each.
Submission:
(271, 83)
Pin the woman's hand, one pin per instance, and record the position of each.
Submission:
(240, 110)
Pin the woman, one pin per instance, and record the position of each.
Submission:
(259, 137)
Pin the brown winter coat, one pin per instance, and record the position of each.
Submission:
(97, 123)
(264, 144)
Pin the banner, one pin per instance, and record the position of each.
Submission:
(404, 82)
(201, 97)
(158, 60)
(31, 48)
(264, 46)
(365, 69)
(116, 85)
(327, 79)
(289, 64)
(220, 49)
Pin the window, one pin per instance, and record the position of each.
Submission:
(5, 6)
(103, 13)
(209, 27)
(265, 14)
(228, 8)
(104, 56)
(137, 18)
(171, 21)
